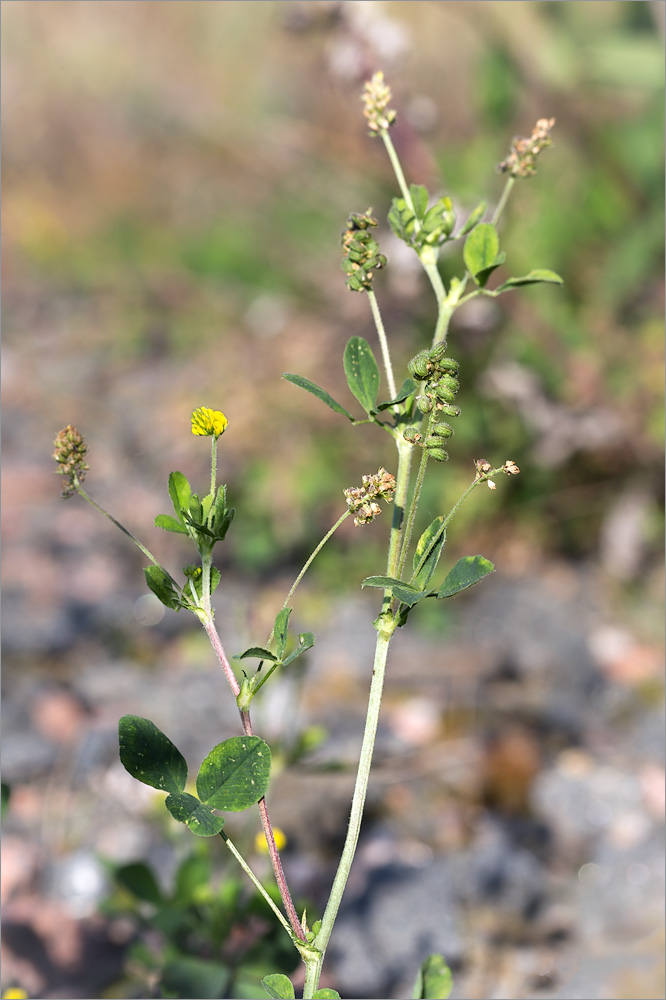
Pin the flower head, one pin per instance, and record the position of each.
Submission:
(376, 96)
(208, 423)
(521, 161)
(362, 500)
(70, 452)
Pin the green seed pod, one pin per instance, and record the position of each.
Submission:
(442, 430)
(449, 411)
(448, 365)
(412, 434)
(437, 352)
(438, 454)
(424, 404)
(419, 366)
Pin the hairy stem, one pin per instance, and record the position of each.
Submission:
(358, 802)
(381, 333)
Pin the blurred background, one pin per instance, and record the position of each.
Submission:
(176, 177)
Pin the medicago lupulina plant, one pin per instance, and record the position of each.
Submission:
(236, 773)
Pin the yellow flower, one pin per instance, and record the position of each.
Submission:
(260, 841)
(208, 423)
(14, 993)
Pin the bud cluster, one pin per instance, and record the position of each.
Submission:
(362, 500)
(70, 452)
(441, 385)
(521, 161)
(376, 97)
(483, 467)
(361, 252)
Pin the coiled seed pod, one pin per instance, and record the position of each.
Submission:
(419, 366)
(424, 403)
(448, 411)
(441, 430)
(437, 453)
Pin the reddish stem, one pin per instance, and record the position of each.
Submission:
(273, 852)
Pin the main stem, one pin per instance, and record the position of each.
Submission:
(313, 968)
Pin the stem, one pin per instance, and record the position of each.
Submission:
(397, 169)
(358, 802)
(381, 333)
(246, 868)
(213, 475)
(216, 643)
(405, 452)
(82, 493)
(501, 204)
(309, 562)
(420, 476)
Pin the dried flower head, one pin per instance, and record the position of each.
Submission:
(521, 161)
(208, 423)
(362, 500)
(376, 96)
(70, 453)
(510, 468)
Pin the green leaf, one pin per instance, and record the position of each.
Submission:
(195, 977)
(179, 491)
(466, 572)
(196, 815)
(428, 551)
(139, 879)
(162, 586)
(326, 994)
(434, 980)
(278, 987)
(540, 274)
(419, 195)
(409, 386)
(169, 523)
(362, 372)
(306, 640)
(404, 592)
(305, 383)
(149, 755)
(483, 275)
(280, 630)
(481, 248)
(473, 220)
(259, 652)
(235, 774)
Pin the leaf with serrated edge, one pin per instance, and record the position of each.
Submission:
(466, 572)
(305, 383)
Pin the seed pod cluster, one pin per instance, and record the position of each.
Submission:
(438, 373)
(361, 252)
